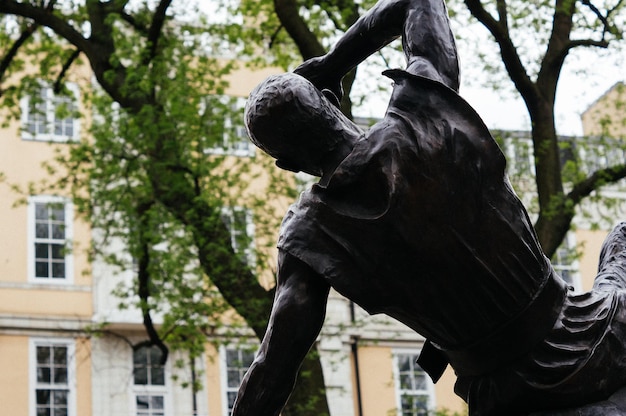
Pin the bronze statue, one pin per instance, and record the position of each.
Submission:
(416, 219)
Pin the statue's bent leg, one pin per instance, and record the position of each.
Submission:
(612, 266)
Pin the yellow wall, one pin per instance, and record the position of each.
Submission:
(83, 377)
(14, 385)
(607, 116)
(445, 396)
(591, 245)
(213, 379)
(377, 387)
(46, 302)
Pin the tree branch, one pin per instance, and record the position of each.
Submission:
(510, 57)
(307, 43)
(44, 17)
(143, 281)
(131, 21)
(154, 33)
(59, 81)
(12, 52)
(503, 14)
(593, 182)
(607, 27)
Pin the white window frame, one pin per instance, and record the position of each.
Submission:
(430, 387)
(224, 373)
(249, 251)
(520, 156)
(573, 266)
(70, 344)
(164, 390)
(69, 234)
(50, 102)
(241, 147)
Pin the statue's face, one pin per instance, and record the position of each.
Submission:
(292, 121)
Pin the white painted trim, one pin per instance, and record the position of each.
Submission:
(224, 374)
(71, 371)
(153, 390)
(69, 235)
(50, 136)
(430, 386)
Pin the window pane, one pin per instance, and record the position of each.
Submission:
(404, 362)
(143, 402)
(43, 355)
(140, 357)
(58, 270)
(44, 375)
(247, 357)
(41, 230)
(156, 402)
(405, 382)
(157, 376)
(58, 231)
(41, 251)
(58, 213)
(141, 376)
(41, 211)
(58, 251)
(231, 396)
(60, 397)
(420, 381)
(232, 358)
(233, 378)
(60, 411)
(43, 397)
(43, 411)
(41, 269)
(60, 375)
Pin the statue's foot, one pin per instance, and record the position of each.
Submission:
(613, 406)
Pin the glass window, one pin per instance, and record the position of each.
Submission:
(147, 367)
(50, 220)
(413, 386)
(238, 361)
(565, 262)
(149, 381)
(224, 123)
(150, 405)
(239, 222)
(52, 379)
(47, 116)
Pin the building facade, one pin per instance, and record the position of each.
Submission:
(52, 296)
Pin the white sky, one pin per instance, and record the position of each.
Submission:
(586, 76)
(576, 92)
(504, 110)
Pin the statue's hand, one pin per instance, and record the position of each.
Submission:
(329, 84)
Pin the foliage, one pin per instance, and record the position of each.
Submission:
(146, 174)
(532, 41)
(142, 175)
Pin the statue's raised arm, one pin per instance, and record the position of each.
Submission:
(415, 218)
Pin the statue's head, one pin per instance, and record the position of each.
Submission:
(292, 121)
